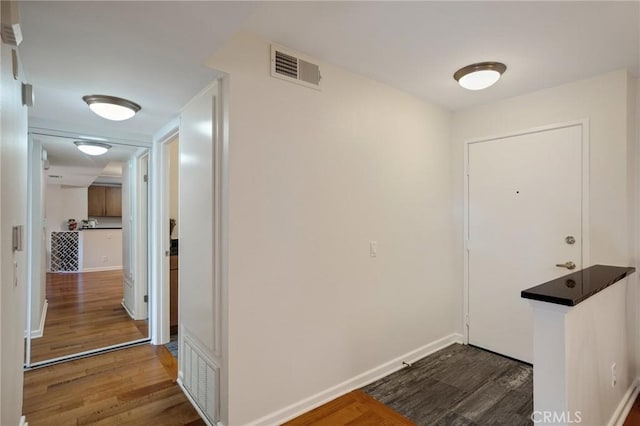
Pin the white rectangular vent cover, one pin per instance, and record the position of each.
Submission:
(200, 379)
(292, 66)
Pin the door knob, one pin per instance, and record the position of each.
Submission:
(568, 265)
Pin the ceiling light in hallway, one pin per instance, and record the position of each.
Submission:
(479, 76)
(111, 107)
(92, 148)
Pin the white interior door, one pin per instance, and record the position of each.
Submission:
(524, 199)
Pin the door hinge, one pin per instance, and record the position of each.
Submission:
(466, 320)
(146, 298)
(146, 178)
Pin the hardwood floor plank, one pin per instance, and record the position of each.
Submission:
(129, 386)
(354, 409)
(633, 418)
(84, 313)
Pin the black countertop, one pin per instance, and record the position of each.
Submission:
(103, 227)
(576, 287)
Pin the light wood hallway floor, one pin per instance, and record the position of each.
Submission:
(84, 313)
(133, 386)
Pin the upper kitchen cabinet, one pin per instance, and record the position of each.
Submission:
(105, 201)
(113, 201)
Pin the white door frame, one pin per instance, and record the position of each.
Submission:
(35, 215)
(159, 288)
(584, 124)
(159, 308)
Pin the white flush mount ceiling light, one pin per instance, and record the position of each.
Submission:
(92, 148)
(111, 107)
(479, 76)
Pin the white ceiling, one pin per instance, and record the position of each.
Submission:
(150, 52)
(69, 166)
(417, 46)
(153, 52)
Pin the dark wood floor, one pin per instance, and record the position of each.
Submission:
(85, 312)
(133, 386)
(633, 418)
(462, 385)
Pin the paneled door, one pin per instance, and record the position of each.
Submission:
(524, 228)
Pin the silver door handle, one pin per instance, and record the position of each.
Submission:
(568, 265)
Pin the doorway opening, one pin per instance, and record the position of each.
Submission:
(88, 248)
(172, 152)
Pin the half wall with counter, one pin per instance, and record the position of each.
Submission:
(585, 333)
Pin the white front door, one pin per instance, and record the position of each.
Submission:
(524, 201)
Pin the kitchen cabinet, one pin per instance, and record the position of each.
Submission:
(173, 296)
(105, 201)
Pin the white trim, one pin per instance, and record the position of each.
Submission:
(586, 261)
(124, 305)
(224, 97)
(102, 268)
(193, 403)
(84, 354)
(159, 292)
(23, 421)
(129, 140)
(294, 410)
(622, 411)
(36, 334)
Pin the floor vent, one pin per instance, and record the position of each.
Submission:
(290, 66)
(200, 379)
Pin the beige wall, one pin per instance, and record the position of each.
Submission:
(314, 176)
(101, 249)
(13, 211)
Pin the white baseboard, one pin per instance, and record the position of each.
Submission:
(23, 421)
(36, 334)
(622, 411)
(133, 317)
(294, 410)
(102, 268)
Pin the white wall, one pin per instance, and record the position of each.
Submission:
(603, 335)
(101, 249)
(314, 176)
(604, 101)
(13, 211)
(174, 169)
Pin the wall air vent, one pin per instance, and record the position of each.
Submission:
(291, 66)
(10, 23)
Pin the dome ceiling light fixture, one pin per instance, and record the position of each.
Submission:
(479, 76)
(111, 107)
(92, 148)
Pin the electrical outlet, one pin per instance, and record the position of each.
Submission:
(614, 376)
(373, 248)
(105, 258)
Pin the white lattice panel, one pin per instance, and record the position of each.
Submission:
(64, 251)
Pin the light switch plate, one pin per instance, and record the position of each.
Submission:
(373, 248)
(16, 238)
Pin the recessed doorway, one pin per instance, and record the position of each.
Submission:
(88, 251)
